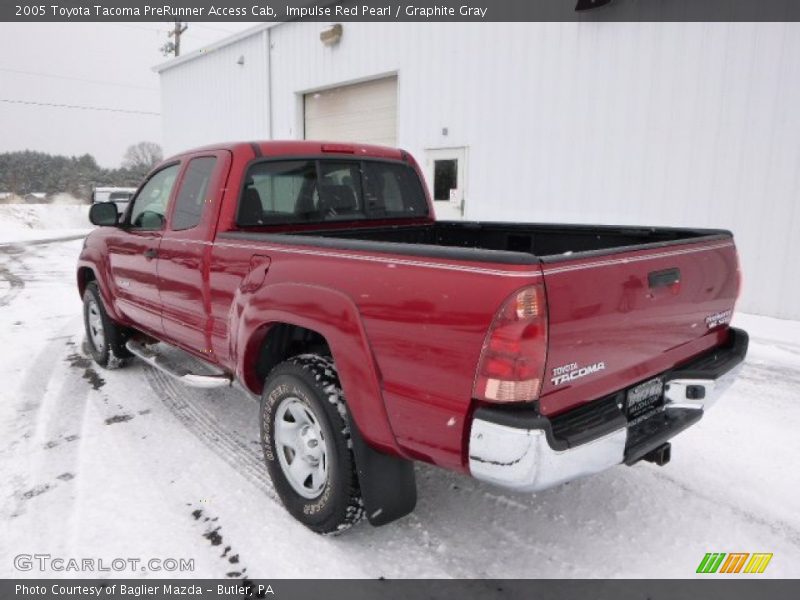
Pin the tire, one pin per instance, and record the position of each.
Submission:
(303, 397)
(104, 338)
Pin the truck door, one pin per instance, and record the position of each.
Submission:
(185, 250)
(133, 252)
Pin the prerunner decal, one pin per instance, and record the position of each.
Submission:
(718, 319)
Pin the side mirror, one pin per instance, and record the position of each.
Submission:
(104, 214)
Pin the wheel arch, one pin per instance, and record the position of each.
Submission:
(387, 482)
(85, 276)
(329, 319)
(91, 270)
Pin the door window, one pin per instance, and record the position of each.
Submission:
(150, 205)
(192, 194)
(445, 178)
(446, 173)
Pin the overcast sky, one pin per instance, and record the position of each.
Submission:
(104, 65)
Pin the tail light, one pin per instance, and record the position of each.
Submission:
(511, 367)
(739, 278)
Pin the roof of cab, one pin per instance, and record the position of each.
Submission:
(276, 148)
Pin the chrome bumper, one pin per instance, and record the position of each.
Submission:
(523, 459)
(678, 392)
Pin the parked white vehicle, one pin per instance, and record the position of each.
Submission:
(118, 195)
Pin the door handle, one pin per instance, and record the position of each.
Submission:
(150, 253)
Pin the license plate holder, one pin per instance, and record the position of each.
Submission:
(644, 399)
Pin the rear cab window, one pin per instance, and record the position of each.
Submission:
(317, 191)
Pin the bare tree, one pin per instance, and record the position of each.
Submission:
(142, 157)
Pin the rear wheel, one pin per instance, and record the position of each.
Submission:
(105, 339)
(306, 440)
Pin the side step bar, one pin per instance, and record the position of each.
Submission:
(181, 374)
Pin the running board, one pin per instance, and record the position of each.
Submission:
(181, 374)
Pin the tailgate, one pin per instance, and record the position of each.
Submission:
(619, 319)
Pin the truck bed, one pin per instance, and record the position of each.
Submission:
(511, 243)
(636, 300)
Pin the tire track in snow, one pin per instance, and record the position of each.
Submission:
(37, 378)
(14, 282)
(776, 526)
(48, 420)
(42, 242)
(245, 458)
(15, 286)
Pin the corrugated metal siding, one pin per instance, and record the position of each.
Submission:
(634, 123)
(213, 99)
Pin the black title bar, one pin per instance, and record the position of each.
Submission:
(391, 10)
(485, 589)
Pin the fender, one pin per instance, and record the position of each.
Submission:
(333, 315)
(90, 258)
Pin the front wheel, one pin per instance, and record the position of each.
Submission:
(105, 339)
(305, 436)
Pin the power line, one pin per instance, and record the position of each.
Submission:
(192, 29)
(222, 29)
(69, 78)
(139, 27)
(80, 107)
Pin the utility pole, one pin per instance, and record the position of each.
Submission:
(174, 46)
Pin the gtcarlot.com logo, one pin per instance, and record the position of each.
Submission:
(734, 562)
(48, 562)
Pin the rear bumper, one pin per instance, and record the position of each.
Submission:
(519, 449)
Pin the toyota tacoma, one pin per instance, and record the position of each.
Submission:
(315, 276)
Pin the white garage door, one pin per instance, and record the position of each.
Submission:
(363, 112)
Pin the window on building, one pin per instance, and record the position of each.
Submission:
(445, 178)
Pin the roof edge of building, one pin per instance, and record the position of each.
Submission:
(226, 41)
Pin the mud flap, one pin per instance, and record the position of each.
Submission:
(388, 485)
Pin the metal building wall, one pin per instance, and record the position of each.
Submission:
(213, 98)
(633, 123)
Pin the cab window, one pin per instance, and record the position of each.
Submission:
(150, 205)
(314, 191)
(192, 194)
(279, 192)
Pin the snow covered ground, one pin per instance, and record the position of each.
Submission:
(32, 222)
(124, 463)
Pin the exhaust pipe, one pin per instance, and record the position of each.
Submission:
(660, 455)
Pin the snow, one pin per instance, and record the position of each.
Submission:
(37, 222)
(126, 463)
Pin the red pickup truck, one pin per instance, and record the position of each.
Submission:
(315, 275)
